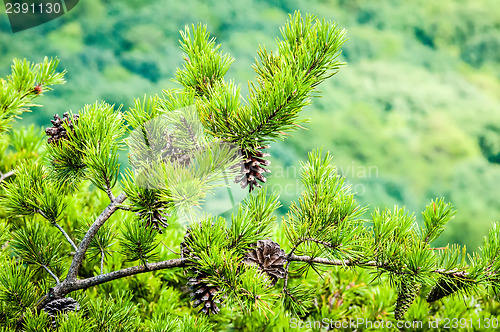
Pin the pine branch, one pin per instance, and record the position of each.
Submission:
(109, 193)
(51, 274)
(60, 229)
(346, 262)
(103, 278)
(68, 285)
(267, 121)
(288, 258)
(66, 236)
(102, 261)
(82, 248)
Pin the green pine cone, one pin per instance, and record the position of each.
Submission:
(446, 286)
(407, 293)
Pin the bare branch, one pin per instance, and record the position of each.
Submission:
(338, 262)
(110, 194)
(102, 261)
(82, 248)
(6, 175)
(52, 274)
(69, 285)
(66, 236)
(103, 278)
(59, 228)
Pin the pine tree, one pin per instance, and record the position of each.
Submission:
(57, 265)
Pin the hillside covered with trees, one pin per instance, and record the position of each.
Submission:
(414, 115)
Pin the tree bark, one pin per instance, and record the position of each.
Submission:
(82, 248)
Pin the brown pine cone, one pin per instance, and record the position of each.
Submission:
(252, 168)
(205, 294)
(185, 248)
(65, 304)
(269, 257)
(170, 153)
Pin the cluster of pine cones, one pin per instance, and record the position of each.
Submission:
(57, 131)
(266, 255)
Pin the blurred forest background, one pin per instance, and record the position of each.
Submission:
(414, 115)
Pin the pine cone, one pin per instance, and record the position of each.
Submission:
(37, 89)
(185, 248)
(155, 219)
(64, 304)
(58, 132)
(446, 286)
(204, 293)
(55, 307)
(407, 293)
(269, 257)
(173, 154)
(252, 169)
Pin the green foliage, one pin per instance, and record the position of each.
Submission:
(34, 245)
(144, 200)
(408, 63)
(30, 193)
(91, 151)
(205, 233)
(298, 300)
(255, 220)
(26, 141)
(74, 322)
(17, 292)
(326, 213)
(36, 322)
(324, 225)
(192, 324)
(173, 159)
(205, 64)
(164, 323)
(436, 216)
(27, 81)
(306, 56)
(113, 314)
(244, 287)
(100, 246)
(138, 243)
(142, 112)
